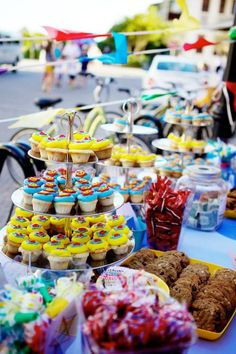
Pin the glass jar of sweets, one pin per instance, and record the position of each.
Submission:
(209, 193)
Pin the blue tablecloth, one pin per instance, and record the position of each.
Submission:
(214, 247)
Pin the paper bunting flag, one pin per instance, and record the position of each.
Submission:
(65, 35)
(199, 44)
(37, 120)
(156, 95)
(118, 57)
(185, 22)
(232, 33)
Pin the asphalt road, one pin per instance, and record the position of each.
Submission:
(17, 94)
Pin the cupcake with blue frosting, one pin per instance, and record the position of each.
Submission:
(105, 195)
(136, 194)
(82, 183)
(186, 118)
(81, 174)
(202, 119)
(28, 191)
(61, 180)
(36, 180)
(124, 191)
(64, 203)
(42, 201)
(87, 201)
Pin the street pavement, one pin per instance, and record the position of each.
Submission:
(17, 94)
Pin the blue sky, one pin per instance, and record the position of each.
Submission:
(83, 15)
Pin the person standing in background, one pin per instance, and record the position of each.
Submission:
(71, 52)
(58, 67)
(48, 75)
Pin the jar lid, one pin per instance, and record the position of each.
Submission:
(203, 172)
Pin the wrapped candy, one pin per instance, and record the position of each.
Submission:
(164, 214)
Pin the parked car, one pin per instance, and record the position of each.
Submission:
(10, 51)
(166, 69)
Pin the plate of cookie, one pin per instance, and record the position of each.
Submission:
(208, 290)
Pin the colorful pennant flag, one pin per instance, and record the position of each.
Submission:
(66, 35)
(198, 44)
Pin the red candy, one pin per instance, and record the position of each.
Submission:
(164, 214)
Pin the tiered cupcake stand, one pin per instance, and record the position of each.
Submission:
(17, 199)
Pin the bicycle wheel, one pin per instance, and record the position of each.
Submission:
(23, 134)
(111, 116)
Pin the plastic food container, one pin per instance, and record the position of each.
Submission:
(207, 209)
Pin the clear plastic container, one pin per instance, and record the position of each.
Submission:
(209, 193)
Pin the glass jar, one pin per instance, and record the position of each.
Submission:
(209, 193)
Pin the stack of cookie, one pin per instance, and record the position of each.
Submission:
(216, 301)
(191, 280)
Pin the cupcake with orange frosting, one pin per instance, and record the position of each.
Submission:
(119, 243)
(79, 252)
(14, 240)
(102, 148)
(30, 250)
(57, 149)
(98, 249)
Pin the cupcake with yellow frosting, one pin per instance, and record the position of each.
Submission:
(80, 150)
(103, 234)
(79, 252)
(61, 238)
(30, 249)
(122, 229)
(16, 228)
(19, 220)
(96, 218)
(34, 227)
(185, 146)
(52, 245)
(81, 135)
(98, 249)
(57, 224)
(119, 243)
(102, 148)
(198, 146)
(41, 220)
(100, 226)
(59, 259)
(14, 240)
(43, 145)
(39, 236)
(82, 230)
(146, 160)
(80, 238)
(57, 149)
(80, 221)
(35, 140)
(115, 220)
(21, 212)
(128, 160)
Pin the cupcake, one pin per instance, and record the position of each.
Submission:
(82, 230)
(36, 180)
(185, 146)
(34, 227)
(119, 243)
(105, 196)
(124, 191)
(21, 212)
(50, 185)
(64, 203)
(49, 179)
(61, 238)
(121, 123)
(81, 174)
(82, 183)
(79, 252)
(57, 149)
(81, 135)
(61, 180)
(14, 240)
(28, 191)
(102, 148)
(136, 195)
(172, 116)
(36, 139)
(96, 185)
(128, 160)
(115, 220)
(80, 151)
(16, 228)
(87, 201)
(31, 249)
(57, 224)
(98, 249)
(84, 189)
(96, 218)
(202, 119)
(42, 201)
(122, 229)
(186, 118)
(100, 226)
(52, 245)
(80, 221)
(19, 220)
(198, 146)
(59, 259)
(39, 236)
(43, 145)
(51, 173)
(80, 238)
(102, 234)
(146, 160)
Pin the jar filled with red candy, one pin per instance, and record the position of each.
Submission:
(164, 214)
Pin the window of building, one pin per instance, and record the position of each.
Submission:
(205, 5)
(222, 6)
(233, 6)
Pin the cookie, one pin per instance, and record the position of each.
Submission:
(184, 260)
(226, 274)
(213, 292)
(201, 270)
(182, 293)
